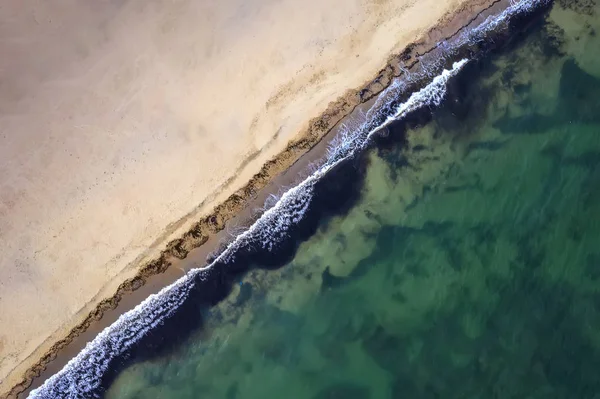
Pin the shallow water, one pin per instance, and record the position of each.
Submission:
(468, 267)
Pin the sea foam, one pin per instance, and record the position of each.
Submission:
(81, 376)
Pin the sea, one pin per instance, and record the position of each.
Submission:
(447, 247)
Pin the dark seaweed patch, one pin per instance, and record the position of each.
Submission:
(244, 294)
(585, 7)
(465, 106)
(386, 350)
(533, 123)
(578, 102)
(578, 94)
(344, 390)
(553, 40)
(232, 391)
(330, 281)
(493, 145)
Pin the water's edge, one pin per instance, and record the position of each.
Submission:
(274, 237)
(207, 231)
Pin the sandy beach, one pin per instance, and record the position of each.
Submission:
(125, 123)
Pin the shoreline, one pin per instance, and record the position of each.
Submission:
(204, 236)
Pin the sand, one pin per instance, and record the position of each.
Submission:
(124, 122)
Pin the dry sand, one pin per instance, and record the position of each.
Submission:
(122, 122)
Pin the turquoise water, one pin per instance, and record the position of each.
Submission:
(468, 268)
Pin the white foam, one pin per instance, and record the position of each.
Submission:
(81, 376)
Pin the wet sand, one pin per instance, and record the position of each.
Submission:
(136, 127)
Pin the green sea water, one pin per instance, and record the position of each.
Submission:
(469, 267)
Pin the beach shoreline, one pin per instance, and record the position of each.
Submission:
(204, 236)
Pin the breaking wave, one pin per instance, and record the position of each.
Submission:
(82, 376)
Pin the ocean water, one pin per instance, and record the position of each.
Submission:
(464, 264)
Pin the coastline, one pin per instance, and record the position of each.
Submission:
(428, 206)
(204, 236)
